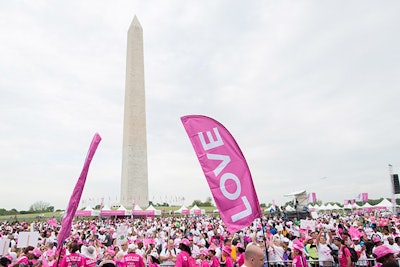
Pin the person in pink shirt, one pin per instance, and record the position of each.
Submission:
(23, 257)
(109, 261)
(132, 259)
(51, 256)
(153, 259)
(90, 256)
(203, 258)
(214, 261)
(182, 260)
(74, 259)
(344, 255)
(34, 256)
(383, 254)
(226, 251)
(299, 259)
(240, 254)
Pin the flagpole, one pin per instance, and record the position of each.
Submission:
(393, 193)
(265, 239)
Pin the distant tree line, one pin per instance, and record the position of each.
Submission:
(37, 207)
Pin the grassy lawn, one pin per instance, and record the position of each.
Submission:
(48, 215)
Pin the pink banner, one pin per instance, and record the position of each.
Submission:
(106, 213)
(346, 202)
(143, 212)
(365, 197)
(226, 171)
(77, 193)
(312, 197)
(82, 213)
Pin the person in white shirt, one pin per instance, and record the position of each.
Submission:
(324, 251)
(168, 254)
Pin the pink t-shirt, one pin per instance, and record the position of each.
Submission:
(205, 263)
(133, 260)
(182, 260)
(90, 262)
(240, 259)
(22, 260)
(119, 263)
(229, 262)
(299, 261)
(71, 259)
(342, 255)
(214, 261)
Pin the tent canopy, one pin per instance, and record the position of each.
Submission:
(384, 204)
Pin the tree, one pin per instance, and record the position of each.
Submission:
(39, 206)
(197, 202)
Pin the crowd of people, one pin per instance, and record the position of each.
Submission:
(203, 241)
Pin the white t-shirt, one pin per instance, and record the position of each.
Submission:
(324, 252)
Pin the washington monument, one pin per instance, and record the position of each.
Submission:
(134, 180)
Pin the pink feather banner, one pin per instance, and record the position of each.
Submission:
(226, 171)
(77, 193)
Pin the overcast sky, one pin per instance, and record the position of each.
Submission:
(309, 89)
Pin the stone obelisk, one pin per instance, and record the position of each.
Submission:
(134, 180)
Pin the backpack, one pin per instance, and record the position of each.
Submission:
(354, 255)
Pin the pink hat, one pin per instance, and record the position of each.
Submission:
(204, 252)
(376, 239)
(382, 251)
(110, 252)
(36, 252)
(186, 242)
(240, 245)
(50, 253)
(227, 250)
(297, 245)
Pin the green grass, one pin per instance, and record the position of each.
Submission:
(48, 215)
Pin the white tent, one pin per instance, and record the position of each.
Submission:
(197, 210)
(329, 207)
(348, 207)
(137, 207)
(183, 210)
(156, 212)
(121, 208)
(336, 207)
(313, 208)
(367, 206)
(384, 204)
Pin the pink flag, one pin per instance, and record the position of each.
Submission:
(226, 171)
(365, 197)
(352, 202)
(77, 193)
(312, 197)
(346, 202)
